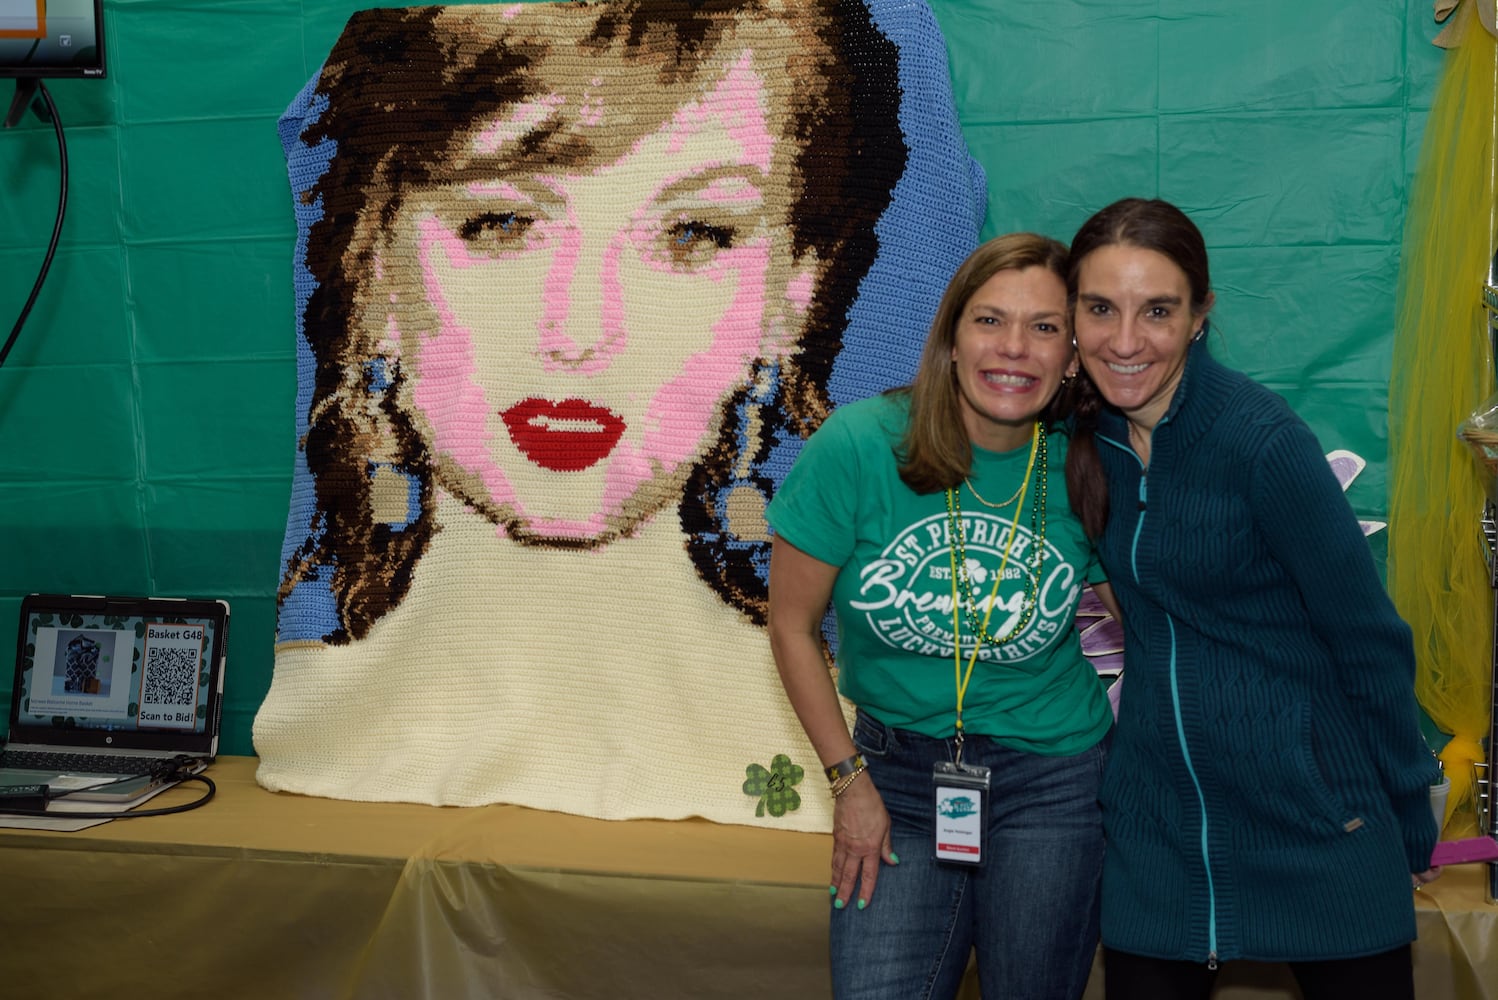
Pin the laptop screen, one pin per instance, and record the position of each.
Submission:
(137, 672)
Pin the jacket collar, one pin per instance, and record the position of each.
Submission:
(1200, 397)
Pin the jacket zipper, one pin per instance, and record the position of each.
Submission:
(1175, 700)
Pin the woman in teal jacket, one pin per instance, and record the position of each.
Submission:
(1268, 793)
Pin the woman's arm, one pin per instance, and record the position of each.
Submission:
(1104, 592)
(1313, 533)
(800, 589)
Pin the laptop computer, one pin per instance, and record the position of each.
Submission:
(114, 696)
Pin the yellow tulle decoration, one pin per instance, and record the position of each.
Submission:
(1442, 371)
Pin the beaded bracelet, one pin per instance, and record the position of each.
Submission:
(843, 768)
(839, 787)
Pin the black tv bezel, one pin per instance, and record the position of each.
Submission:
(97, 70)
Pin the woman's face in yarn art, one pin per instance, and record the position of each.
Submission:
(579, 328)
(1010, 350)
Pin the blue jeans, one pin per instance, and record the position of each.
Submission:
(1030, 911)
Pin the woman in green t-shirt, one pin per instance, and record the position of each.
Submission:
(935, 520)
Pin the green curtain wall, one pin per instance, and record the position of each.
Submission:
(146, 433)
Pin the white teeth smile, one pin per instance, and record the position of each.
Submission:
(1015, 380)
(1126, 369)
(565, 424)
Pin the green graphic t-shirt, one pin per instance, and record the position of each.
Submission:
(844, 504)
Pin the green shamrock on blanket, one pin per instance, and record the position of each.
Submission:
(775, 788)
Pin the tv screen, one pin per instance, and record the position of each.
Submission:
(51, 38)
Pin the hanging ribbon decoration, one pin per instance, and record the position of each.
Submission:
(1487, 13)
(1437, 574)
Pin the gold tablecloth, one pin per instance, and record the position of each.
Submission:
(259, 896)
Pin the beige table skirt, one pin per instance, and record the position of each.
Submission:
(261, 896)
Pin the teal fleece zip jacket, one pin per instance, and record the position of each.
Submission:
(1267, 796)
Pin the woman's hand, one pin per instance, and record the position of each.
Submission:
(860, 840)
(1425, 878)
(800, 587)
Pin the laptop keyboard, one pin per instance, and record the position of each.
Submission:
(80, 763)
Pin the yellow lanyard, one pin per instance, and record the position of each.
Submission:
(954, 504)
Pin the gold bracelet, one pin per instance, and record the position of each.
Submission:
(839, 787)
(843, 768)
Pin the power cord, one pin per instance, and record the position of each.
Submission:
(177, 770)
(62, 205)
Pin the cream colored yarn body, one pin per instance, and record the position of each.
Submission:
(581, 685)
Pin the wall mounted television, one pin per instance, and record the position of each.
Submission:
(43, 39)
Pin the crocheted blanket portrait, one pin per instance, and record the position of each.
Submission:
(574, 282)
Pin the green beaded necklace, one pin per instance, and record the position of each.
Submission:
(1037, 558)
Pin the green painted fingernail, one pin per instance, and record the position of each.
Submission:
(894, 858)
(837, 904)
(862, 903)
(832, 890)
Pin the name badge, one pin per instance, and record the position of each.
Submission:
(961, 811)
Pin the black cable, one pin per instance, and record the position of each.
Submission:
(62, 206)
(129, 814)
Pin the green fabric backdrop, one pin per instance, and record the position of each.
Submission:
(146, 434)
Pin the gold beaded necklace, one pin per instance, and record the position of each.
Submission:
(989, 503)
(962, 584)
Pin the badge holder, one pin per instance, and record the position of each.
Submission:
(961, 804)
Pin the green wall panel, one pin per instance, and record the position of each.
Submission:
(1355, 418)
(67, 424)
(1030, 54)
(78, 319)
(159, 48)
(1339, 176)
(246, 678)
(1422, 73)
(218, 418)
(241, 309)
(1283, 54)
(145, 414)
(71, 537)
(1414, 129)
(29, 186)
(1050, 176)
(220, 536)
(1258, 286)
(221, 178)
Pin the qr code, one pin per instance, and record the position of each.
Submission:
(171, 675)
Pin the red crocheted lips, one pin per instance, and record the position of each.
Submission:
(566, 436)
